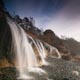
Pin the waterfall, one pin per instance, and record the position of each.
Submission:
(25, 56)
(53, 49)
(41, 50)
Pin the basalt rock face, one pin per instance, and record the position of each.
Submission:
(5, 36)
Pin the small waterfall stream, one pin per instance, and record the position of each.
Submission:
(53, 49)
(41, 50)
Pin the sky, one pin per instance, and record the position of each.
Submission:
(61, 16)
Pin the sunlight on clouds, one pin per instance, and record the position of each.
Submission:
(64, 26)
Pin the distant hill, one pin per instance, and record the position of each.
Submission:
(72, 45)
(51, 38)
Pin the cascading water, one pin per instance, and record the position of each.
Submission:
(26, 58)
(40, 49)
(53, 49)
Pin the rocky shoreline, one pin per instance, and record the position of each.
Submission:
(58, 69)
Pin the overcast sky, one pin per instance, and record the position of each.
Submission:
(62, 16)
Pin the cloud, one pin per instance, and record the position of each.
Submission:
(67, 20)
